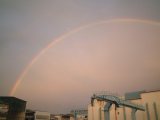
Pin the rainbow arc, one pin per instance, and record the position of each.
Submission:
(66, 35)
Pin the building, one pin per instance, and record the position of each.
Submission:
(149, 99)
(12, 108)
(63, 117)
(37, 115)
(128, 107)
(52, 117)
(81, 114)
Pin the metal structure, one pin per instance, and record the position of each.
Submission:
(111, 99)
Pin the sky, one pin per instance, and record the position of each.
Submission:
(118, 56)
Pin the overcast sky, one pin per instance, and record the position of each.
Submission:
(116, 56)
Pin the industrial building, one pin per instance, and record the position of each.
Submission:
(12, 108)
(64, 117)
(52, 117)
(141, 105)
(80, 114)
(43, 115)
(37, 115)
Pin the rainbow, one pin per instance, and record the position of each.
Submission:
(66, 35)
